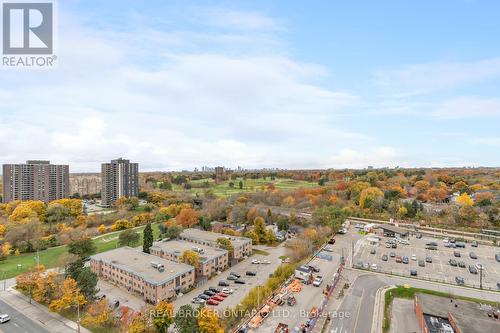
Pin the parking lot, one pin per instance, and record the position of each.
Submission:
(239, 290)
(439, 269)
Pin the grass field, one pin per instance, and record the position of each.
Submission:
(250, 185)
(50, 257)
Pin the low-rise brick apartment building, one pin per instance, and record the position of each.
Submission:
(242, 245)
(211, 259)
(143, 274)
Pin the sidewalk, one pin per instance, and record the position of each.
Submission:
(53, 322)
(335, 300)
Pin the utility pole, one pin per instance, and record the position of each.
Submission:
(78, 314)
(481, 278)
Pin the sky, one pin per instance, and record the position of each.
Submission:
(176, 85)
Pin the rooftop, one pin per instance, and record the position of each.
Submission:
(393, 228)
(470, 317)
(178, 247)
(213, 236)
(140, 263)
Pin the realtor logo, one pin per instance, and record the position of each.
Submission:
(27, 28)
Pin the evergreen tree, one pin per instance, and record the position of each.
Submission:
(148, 238)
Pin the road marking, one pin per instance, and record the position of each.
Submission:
(359, 308)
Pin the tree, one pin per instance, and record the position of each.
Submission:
(70, 297)
(240, 185)
(5, 250)
(138, 324)
(128, 238)
(226, 244)
(369, 195)
(87, 282)
(147, 238)
(173, 231)
(259, 227)
(252, 235)
(331, 216)
(57, 213)
(163, 316)
(185, 320)
(99, 314)
(74, 206)
(188, 217)
(46, 287)
(102, 229)
(289, 201)
(191, 258)
(25, 236)
(208, 321)
(464, 200)
(122, 224)
(282, 223)
(436, 194)
(83, 247)
(27, 281)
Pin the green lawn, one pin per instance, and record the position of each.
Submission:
(50, 257)
(250, 185)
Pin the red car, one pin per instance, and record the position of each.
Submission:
(217, 298)
(212, 301)
(224, 295)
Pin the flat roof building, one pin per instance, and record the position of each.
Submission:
(143, 274)
(242, 245)
(441, 314)
(35, 180)
(211, 259)
(393, 231)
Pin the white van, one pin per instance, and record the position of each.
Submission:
(4, 318)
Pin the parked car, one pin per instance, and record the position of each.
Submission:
(461, 264)
(239, 281)
(392, 254)
(235, 274)
(497, 257)
(255, 261)
(498, 285)
(418, 235)
(460, 245)
(212, 302)
(366, 265)
(204, 296)
(394, 246)
(317, 280)
(198, 300)
(405, 260)
(314, 268)
(474, 243)
(222, 294)
(4, 318)
(472, 269)
(251, 273)
(217, 298)
(231, 277)
(388, 245)
(453, 262)
(227, 291)
(374, 267)
(456, 254)
(373, 251)
(413, 272)
(399, 259)
(223, 284)
(99, 297)
(414, 257)
(214, 289)
(459, 280)
(209, 292)
(265, 262)
(473, 255)
(115, 303)
(359, 264)
(421, 263)
(385, 257)
(428, 259)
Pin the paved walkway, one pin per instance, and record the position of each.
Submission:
(53, 322)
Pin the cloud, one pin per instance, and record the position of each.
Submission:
(418, 79)
(190, 109)
(468, 107)
(235, 19)
(383, 156)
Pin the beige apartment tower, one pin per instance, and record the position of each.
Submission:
(35, 180)
(120, 178)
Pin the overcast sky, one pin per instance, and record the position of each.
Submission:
(290, 84)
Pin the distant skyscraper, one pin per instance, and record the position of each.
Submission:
(120, 178)
(35, 180)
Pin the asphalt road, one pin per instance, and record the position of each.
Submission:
(358, 305)
(18, 323)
